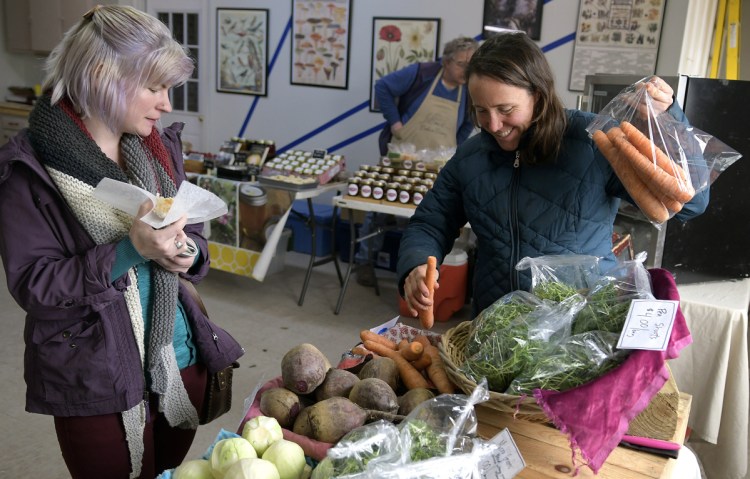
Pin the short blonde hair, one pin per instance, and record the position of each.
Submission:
(105, 59)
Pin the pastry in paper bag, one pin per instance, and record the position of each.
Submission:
(198, 204)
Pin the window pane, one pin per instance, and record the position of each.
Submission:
(194, 56)
(178, 27)
(178, 98)
(163, 18)
(192, 29)
(192, 96)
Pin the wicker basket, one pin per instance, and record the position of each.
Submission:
(452, 347)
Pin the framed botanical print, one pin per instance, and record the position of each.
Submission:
(242, 51)
(519, 15)
(399, 42)
(320, 43)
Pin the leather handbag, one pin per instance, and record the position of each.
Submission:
(218, 397)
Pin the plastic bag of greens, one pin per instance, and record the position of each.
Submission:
(498, 316)
(608, 302)
(556, 277)
(359, 451)
(569, 363)
(507, 351)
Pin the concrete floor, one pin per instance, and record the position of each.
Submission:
(263, 317)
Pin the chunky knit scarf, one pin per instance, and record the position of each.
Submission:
(76, 165)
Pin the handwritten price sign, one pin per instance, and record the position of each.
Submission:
(648, 325)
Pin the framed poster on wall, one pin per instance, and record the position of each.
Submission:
(320, 44)
(242, 51)
(521, 15)
(616, 36)
(399, 42)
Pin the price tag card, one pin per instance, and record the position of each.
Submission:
(319, 154)
(505, 462)
(648, 325)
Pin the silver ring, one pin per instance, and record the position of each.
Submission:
(178, 244)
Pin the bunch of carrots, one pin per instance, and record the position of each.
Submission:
(658, 185)
(418, 361)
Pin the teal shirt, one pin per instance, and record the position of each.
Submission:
(127, 257)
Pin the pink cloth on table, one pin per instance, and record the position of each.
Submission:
(314, 449)
(596, 415)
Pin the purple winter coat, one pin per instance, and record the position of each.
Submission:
(81, 356)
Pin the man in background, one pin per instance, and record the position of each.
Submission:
(426, 105)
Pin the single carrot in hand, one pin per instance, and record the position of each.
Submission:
(427, 316)
(409, 375)
(655, 178)
(644, 198)
(411, 351)
(367, 335)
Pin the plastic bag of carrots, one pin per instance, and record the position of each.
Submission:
(661, 162)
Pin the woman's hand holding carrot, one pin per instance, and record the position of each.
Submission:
(416, 291)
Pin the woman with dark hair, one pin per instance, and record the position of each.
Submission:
(116, 350)
(532, 183)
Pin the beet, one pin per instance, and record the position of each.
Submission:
(304, 368)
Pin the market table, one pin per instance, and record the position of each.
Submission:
(714, 370)
(229, 249)
(547, 452)
(351, 205)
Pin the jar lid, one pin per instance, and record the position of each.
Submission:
(253, 195)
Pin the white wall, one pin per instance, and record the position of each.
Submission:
(290, 112)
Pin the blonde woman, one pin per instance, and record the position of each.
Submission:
(114, 350)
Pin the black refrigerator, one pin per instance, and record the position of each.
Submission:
(716, 245)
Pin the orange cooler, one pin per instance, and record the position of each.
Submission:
(451, 295)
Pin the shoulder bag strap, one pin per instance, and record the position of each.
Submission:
(190, 287)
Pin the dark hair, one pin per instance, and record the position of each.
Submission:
(515, 59)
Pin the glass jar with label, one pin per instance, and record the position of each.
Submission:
(378, 189)
(391, 191)
(365, 188)
(404, 193)
(418, 192)
(352, 188)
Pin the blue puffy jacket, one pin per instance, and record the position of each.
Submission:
(565, 207)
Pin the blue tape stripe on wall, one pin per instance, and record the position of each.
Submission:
(551, 46)
(324, 127)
